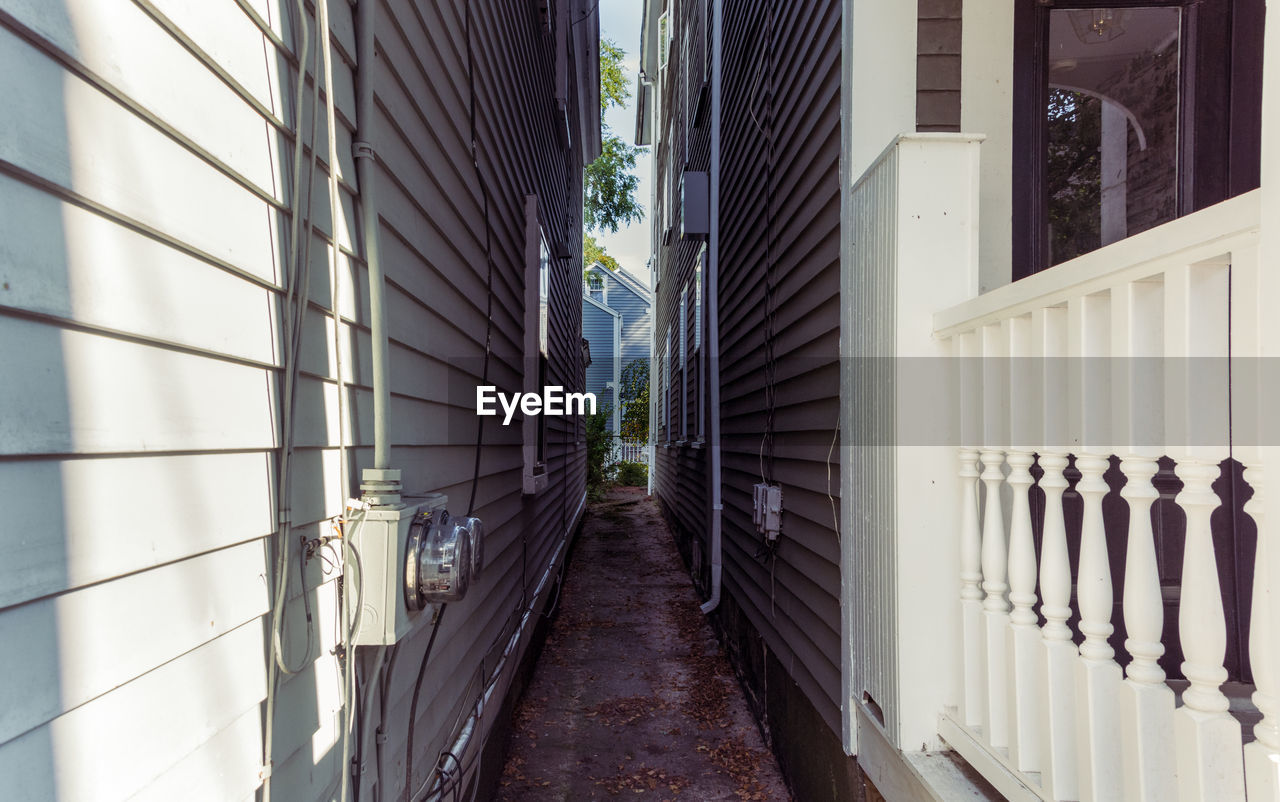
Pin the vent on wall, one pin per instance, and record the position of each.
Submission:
(695, 204)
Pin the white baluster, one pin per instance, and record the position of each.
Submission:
(995, 608)
(1207, 737)
(975, 691)
(1058, 763)
(1097, 674)
(1262, 757)
(1024, 634)
(1146, 702)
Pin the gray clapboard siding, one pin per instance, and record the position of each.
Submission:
(793, 602)
(143, 234)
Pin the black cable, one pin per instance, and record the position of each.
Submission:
(417, 690)
(586, 14)
(488, 254)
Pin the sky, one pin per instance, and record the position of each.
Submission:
(620, 21)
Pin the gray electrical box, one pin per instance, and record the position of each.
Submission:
(695, 204)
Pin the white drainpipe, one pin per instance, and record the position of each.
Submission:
(713, 309)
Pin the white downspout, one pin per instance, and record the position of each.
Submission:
(713, 309)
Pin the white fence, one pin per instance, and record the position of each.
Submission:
(627, 451)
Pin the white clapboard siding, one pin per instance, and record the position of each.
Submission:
(145, 175)
(223, 769)
(85, 526)
(98, 273)
(120, 45)
(92, 393)
(111, 157)
(102, 636)
(113, 746)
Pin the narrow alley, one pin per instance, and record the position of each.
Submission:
(631, 695)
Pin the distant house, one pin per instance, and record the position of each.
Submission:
(974, 274)
(617, 322)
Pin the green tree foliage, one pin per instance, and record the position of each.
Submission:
(610, 185)
(1074, 173)
(614, 90)
(634, 397)
(593, 252)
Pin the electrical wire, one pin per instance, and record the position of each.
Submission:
(293, 308)
(417, 690)
(299, 278)
(488, 254)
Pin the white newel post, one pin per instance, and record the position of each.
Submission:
(1146, 702)
(995, 607)
(974, 700)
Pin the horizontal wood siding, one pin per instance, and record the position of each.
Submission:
(938, 65)
(597, 327)
(145, 171)
(779, 204)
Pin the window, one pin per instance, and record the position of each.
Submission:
(596, 287)
(684, 365)
(1128, 116)
(537, 320)
(666, 387)
(664, 40)
(698, 354)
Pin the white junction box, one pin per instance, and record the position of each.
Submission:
(767, 511)
(380, 536)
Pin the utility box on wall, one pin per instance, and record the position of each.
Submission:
(695, 204)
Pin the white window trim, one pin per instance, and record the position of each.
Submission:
(537, 270)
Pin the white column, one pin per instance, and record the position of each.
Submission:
(995, 609)
(1146, 702)
(1207, 737)
(1115, 173)
(974, 702)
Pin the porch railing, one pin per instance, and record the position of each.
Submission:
(628, 451)
(1151, 349)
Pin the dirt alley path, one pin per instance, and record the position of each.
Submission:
(631, 696)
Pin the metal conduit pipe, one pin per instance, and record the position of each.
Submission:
(366, 174)
(713, 310)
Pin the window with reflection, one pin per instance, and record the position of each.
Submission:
(1128, 116)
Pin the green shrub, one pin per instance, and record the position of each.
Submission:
(633, 474)
(599, 452)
